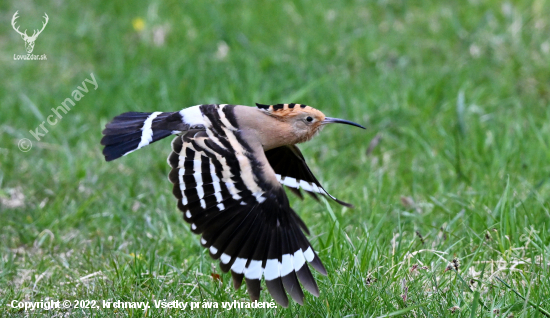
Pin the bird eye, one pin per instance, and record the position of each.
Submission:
(309, 118)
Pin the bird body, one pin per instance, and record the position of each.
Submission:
(229, 164)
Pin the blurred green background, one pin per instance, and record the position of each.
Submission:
(456, 93)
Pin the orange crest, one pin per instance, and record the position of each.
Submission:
(282, 111)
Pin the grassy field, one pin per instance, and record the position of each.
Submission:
(452, 214)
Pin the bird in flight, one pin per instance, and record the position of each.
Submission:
(229, 164)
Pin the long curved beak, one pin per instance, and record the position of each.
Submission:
(330, 120)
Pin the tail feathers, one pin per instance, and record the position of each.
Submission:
(131, 131)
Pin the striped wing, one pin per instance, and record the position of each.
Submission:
(292, 171)
(244, 221)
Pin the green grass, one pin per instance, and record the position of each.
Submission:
(458, 91)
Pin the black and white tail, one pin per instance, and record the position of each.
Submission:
(131, 131)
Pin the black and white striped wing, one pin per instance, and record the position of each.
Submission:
(244, 221)
(292, 171)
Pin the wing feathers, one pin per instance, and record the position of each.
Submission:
(292, 171)
(253, 287)
(237, 280)
(307, 280)
(245, 222)
(277, 291)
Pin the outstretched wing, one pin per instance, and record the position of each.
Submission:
(292, 171)
(244, 220)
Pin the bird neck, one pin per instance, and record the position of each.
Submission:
(257, 126)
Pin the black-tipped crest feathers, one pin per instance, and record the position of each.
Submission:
(276, 107)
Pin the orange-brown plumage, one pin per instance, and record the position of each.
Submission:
(282, 124)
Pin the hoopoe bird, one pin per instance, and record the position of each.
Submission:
(229, 164)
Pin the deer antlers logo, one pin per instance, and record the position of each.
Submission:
(29, 40)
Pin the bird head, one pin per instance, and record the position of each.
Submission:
(304, 121)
